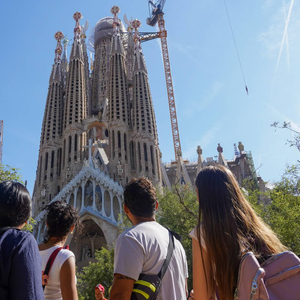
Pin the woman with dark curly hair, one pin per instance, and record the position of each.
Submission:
(20, 264)
(62, 219)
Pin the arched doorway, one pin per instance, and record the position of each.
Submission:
(84, 246)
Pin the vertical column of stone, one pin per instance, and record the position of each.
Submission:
(76, 98)
(143, 118)
(47, 179)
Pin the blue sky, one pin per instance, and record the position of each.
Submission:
(212, 104)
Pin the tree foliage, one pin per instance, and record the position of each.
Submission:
(295, 142)
(282, 210)
(10, 173)
(283, 213)
(178, 210)
(99, 272)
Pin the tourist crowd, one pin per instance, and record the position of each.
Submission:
(150, 262)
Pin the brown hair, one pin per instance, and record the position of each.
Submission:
(230, 228)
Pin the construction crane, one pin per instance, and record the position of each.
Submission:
(156, 16)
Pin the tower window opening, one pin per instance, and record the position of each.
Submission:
(52, 159)
(145, 152)
(46, 161)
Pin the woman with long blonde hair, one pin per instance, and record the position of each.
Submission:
(227, 228)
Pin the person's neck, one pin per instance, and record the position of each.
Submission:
(56, 241)
(137, 220)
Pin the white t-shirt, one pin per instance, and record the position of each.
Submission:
(143, 249)
(52, 289)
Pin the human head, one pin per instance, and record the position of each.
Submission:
(99, 292)
(15, 204)
(140, 197)
(217, 190)
(60, 218)
(222, 205)
(228, 225)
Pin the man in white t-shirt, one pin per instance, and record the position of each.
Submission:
(143, 248)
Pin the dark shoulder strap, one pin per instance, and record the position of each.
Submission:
(51, 260)
(168, 258)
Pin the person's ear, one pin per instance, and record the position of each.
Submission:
(156, 205)
(126, 209)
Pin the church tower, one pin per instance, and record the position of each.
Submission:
(47, 183)
(144, 151)
(75, 105)
(98, 132)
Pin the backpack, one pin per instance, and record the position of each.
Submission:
(278, 278)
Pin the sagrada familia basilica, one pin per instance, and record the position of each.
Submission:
(99, 131)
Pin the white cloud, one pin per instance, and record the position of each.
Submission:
(191, 52)
(199, 104)
(207, 138)
(274, 37)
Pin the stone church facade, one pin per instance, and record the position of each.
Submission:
(99, 131)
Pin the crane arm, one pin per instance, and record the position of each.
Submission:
(169, 83)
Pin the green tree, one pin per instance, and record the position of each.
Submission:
(178, 210)
(9, 173)
(283, 212)
(99, 272)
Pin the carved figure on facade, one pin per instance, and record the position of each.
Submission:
(220, 149)
(199, 150)
(119, 168)
(86, 252)
(241, 147)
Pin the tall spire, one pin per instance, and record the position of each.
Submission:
(117, 44)
(75, 98)
(77, 30)
(139, 61)
(58, 51)
(75, 104)
(49, 162)
(144, 142)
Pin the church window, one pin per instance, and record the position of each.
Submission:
(40, 171)
(119, 139)
(52, 159)
(64, 151)
(70, 144)
(75, 144)
(145, 152)
(46, 161)
(113, 143)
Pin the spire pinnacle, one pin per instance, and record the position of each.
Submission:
(65, 42)
(77, 30)
(58, 51)
(136, 24)
(115, 10)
